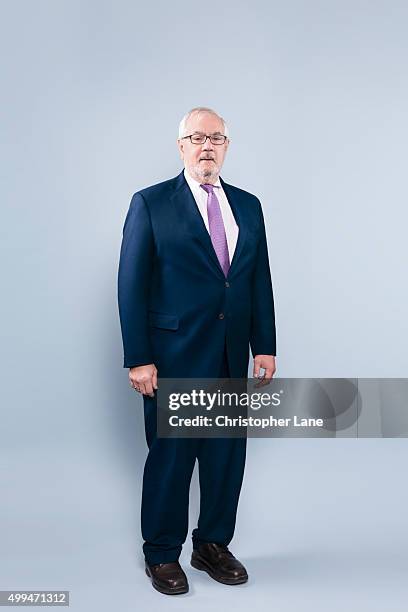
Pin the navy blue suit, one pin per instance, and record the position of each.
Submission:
(179, 311)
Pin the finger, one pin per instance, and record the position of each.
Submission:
(257, 367)
(266, 378)
(142, 387)
(262, 382)
(268, 373)
(149, 388)
(154, 380)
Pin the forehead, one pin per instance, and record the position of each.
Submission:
(204, 122)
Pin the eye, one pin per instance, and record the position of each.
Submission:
(197, 137)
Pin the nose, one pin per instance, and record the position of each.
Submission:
(207, 145)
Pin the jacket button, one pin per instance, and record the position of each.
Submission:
(227, 284)
(221, 315)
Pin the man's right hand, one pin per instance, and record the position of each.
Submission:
(144, 379)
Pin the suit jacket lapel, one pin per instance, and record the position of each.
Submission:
(237, 211)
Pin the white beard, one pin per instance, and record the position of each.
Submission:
(205, 174)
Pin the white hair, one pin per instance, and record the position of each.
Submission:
(199, 109)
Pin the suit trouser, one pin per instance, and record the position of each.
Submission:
(166, 485)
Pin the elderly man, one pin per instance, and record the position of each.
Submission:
(195, 293)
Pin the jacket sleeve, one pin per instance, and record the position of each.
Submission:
(135, 270)
(263, 332)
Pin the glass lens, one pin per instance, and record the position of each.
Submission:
(198, 138)
(218, 139)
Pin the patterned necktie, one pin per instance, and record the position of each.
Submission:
(217, 229)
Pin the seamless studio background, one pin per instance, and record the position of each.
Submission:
(315, 95)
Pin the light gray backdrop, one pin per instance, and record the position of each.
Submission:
(315, 94)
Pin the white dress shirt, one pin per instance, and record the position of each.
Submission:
(200, 196)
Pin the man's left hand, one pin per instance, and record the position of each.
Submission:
(267, 362)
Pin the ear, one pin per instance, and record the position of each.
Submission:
(180, 146)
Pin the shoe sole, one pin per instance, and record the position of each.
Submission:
(175, 591)
(202, 566)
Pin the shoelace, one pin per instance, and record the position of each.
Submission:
(223, 551)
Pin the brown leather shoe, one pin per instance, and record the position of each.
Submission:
(168, 578)
(219, 563)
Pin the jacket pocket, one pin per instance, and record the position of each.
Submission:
(163, 320)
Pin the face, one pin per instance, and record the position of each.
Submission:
(203, 161)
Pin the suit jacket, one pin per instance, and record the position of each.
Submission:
(177, 309)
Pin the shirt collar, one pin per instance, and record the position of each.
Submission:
(195, 185)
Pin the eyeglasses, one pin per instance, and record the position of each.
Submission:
(215, 139)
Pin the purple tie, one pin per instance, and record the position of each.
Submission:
(216, 225)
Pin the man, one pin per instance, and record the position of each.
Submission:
(194, 292)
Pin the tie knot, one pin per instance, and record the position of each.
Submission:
(208, 187)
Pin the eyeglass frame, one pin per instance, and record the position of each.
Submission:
(217, 144)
